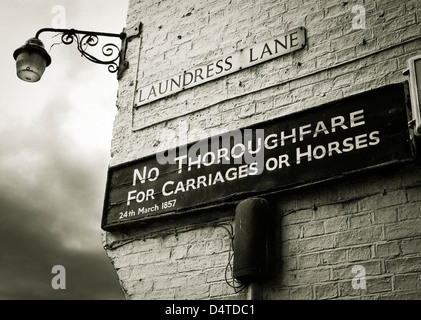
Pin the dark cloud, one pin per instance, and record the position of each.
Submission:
(53, 175)
(54, 158)
(28, 252)
(51, 196)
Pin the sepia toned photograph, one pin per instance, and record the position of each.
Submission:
(208, 155)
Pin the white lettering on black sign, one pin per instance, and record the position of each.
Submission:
(327, 142)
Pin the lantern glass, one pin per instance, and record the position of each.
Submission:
(31, 60)
(30, 66)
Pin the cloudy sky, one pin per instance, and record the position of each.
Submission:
(55, 138)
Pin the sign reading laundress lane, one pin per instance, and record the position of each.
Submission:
(244, 58)
(327, 142)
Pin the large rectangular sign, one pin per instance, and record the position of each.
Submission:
(327, 142)
(241, 59)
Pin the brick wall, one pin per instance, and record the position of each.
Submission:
(321, 232)
(373, 222)
(184, 259)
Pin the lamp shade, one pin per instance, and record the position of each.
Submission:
(31, 60)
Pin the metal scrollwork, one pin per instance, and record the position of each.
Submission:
(110, 51)
(112, 55)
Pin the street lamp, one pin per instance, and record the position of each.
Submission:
(32, 58)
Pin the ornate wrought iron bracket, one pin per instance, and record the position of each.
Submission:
(113, 56)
